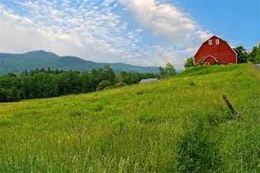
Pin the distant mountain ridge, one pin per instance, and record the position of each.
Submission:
(16, 63)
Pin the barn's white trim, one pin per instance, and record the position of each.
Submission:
(210, 42)
(207, 42)
(217, 41)
(235, 53)
(210, 56)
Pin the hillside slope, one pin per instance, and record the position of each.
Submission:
(16, 63)
(179, 124)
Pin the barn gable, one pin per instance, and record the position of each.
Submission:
(215, 51)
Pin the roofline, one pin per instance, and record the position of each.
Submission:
(205, 42)
(235, 54)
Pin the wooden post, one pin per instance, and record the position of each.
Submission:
(234, 112)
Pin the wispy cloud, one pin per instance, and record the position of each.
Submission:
(167, 21)
(95, 30)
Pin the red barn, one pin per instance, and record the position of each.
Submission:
(215, 51)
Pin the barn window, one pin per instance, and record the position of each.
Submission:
(217, 41)
(206, 63)
(210, 42)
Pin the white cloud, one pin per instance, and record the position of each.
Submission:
(78, 31)
(93, 31)
(166, 20)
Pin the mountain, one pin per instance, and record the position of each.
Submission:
(16, 63)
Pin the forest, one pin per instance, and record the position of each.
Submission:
(43, 83)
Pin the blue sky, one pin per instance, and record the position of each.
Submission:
(139, 32)
(237, 20)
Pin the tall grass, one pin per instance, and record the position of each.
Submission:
(179, 124)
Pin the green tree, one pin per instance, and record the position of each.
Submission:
(189, 62)
(85, 82)
(3, 95)
(41, 83)
(242, 54)
(69, 83)
(13, 94)
(169, 70)
(129, 77)
(162, 72)
(10, 88)
(257, 57)
(103, 84)
(109, 74)
(254, 55)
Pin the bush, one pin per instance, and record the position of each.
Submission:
(103, 84)
(189, 62)
(10, 95)
(119, 84)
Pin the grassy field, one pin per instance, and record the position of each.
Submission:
(179, 124)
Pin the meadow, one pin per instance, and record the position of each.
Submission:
(179, 124)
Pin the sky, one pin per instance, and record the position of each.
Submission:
(137, 32)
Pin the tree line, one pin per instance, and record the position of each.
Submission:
(43, 83)
(242, 54)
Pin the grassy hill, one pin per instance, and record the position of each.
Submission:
(16, 63)
(179, 124)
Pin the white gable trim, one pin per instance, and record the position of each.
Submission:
(210, 56)
(206, 42)
(235, 53)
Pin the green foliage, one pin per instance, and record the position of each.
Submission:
(169, 70)
(245, 56)
(10, 88)
(41, 83)
(133, 77)
(242, 54)
(189, 62)
(168, 126)
(103, 85)
(10, 94)
(129, 77)
(255, 54)
(69, 83)
(119, 84)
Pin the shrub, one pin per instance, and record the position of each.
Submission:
(103, 84)
(119, 84)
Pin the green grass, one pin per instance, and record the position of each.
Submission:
(179, 124)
